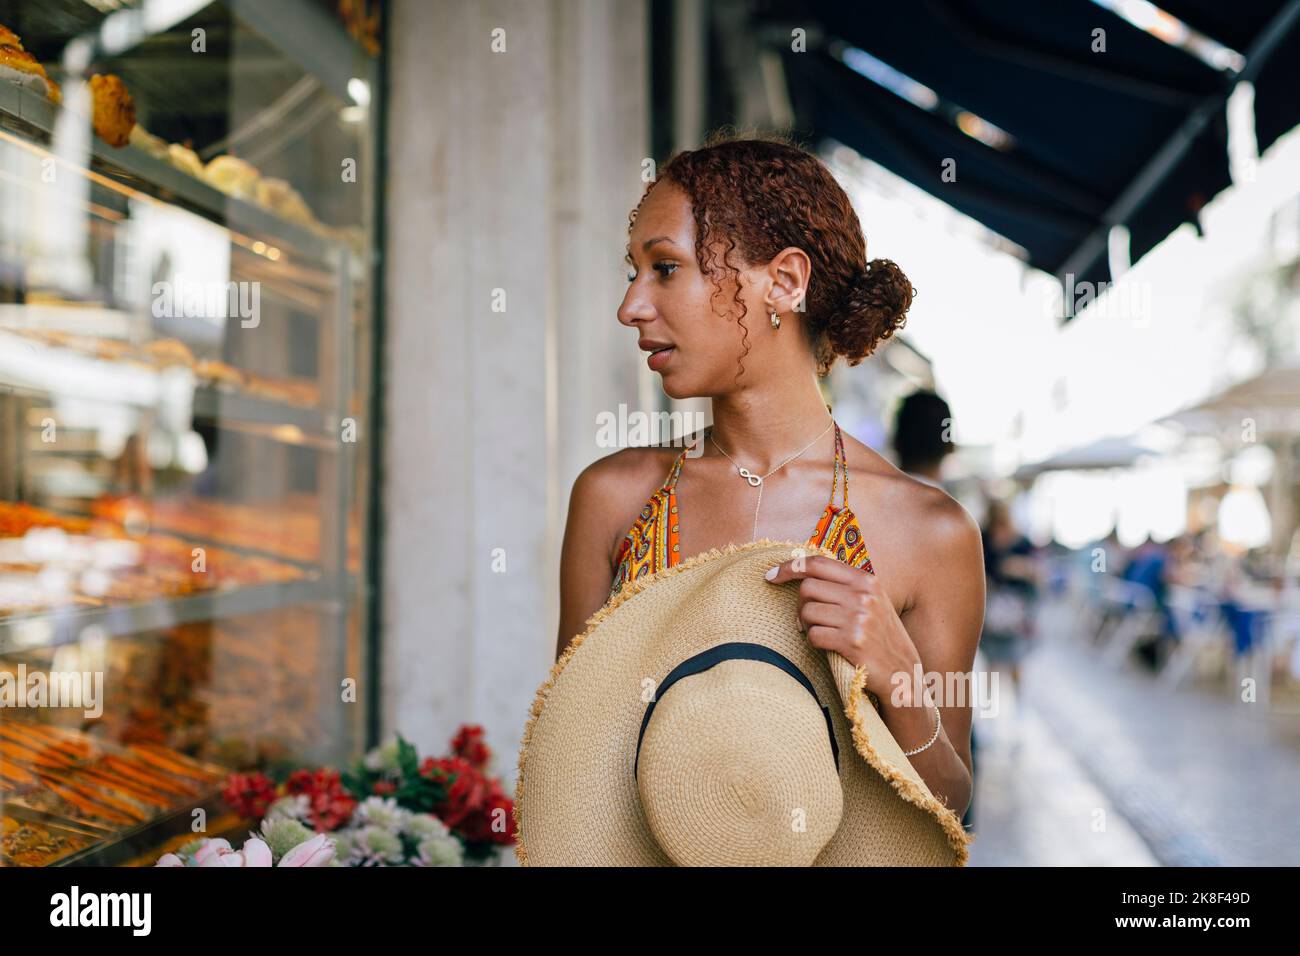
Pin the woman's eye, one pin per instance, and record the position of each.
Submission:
(665, 269)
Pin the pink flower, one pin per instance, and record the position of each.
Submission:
(169, 859)
(318, 851)
(210, 851)
(234, 858)
(256, 852)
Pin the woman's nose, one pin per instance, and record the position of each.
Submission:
(635, 306)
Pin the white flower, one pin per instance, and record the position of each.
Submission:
(439, 851)
(292, 807)
(424, 825)
(383, 759)
(381, 812)
(373, 846)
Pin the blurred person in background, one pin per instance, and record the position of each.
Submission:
(922, 430)
(1152, 566)
(1011, 571)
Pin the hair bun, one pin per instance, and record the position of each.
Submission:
(875, 306)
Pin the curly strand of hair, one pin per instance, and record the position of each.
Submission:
(704, 253)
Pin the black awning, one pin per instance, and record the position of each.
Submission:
(1084, 140)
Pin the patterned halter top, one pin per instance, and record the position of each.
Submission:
(652, 541)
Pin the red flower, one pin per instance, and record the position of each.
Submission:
(249, 794)
(330, 805)
(384, 787)
(466, 796)
(498, 810)
(444, 770)
(470, 745)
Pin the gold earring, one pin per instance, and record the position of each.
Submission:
(776, 321)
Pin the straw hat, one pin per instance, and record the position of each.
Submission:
(692, 723)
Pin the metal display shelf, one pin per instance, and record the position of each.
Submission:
(165, 182)
(312, 39)
(66, 625)
(224, 408)
(221, 406)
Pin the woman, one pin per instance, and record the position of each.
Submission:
(1012, 590)
(748, 280)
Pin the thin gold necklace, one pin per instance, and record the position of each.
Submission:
(757, 480)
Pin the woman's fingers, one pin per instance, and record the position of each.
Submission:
(812, 566)
(815, 612)
(817, 589)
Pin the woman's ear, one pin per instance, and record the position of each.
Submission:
(789, 271)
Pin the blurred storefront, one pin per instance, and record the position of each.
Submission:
(189, 262)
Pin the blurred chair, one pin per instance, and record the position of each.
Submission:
(1201, 628)
(1252, 630)
(1087, 602)
(1132, 614)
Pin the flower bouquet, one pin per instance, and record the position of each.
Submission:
(457, 789)
(390, 809)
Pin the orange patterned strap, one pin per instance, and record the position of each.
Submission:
(841, 460)
(676, 470)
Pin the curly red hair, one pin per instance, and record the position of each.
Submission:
(760, 194)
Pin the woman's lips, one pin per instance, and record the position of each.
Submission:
(658, 360)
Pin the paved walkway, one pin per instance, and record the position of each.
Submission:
(1094, 766)
(1035, 805)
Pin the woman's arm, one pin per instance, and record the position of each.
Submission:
(586, 554)
(944, 621)
(850, 610)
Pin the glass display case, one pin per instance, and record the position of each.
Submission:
(188, 265)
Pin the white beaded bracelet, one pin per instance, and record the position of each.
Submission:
(938, 722)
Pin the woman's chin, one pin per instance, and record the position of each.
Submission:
(674, 387)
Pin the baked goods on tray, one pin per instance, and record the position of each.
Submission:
(113, 110)
(169, 352)
(63, 787)
(19, 66)
(26, 842)
(288, 527)
(149, 566)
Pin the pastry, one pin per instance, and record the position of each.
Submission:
(34, 844)
(170, 352)
(114, 110)
(153, 145)
(185, 159)
(19, 66)
(218, 372)
(283, 200)
(233, 176)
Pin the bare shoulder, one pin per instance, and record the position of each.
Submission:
(632, 469)
(913, 527)
(610, 492)
(606, 497)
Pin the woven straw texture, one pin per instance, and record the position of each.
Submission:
(577, 801)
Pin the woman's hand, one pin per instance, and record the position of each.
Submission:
(845, 609)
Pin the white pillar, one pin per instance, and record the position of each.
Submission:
(690, 94)
(507, 171)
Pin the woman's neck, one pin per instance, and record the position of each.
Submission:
(761, 430)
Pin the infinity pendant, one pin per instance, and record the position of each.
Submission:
(750, 477)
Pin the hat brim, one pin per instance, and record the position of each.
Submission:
(576, 799)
